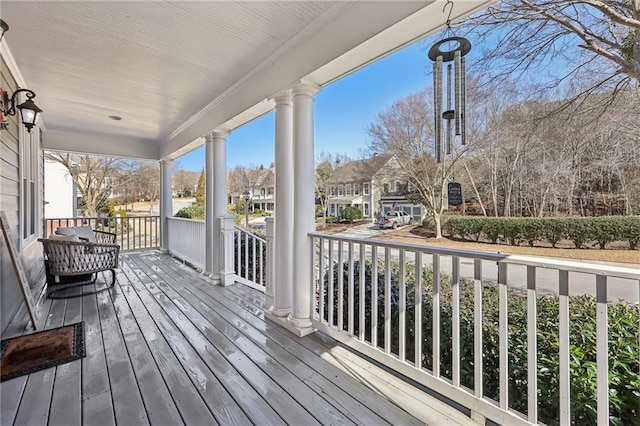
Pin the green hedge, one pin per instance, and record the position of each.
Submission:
(195, 211)
(581, 231)
(351, 213)
(624, 346)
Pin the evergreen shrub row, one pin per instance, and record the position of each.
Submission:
(581, 231)
(624, 343)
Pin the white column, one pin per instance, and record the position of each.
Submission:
(209, 217)
(219, 198)
(283, 244)
(303, 207)
(166, 204)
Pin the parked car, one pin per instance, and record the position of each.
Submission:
(394, 219)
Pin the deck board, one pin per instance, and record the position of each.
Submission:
(165, 346)
(211, 325)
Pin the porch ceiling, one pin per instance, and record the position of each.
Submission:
(175, 70)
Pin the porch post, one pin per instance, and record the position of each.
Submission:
(166, 204)
(219, 198)
(283, 243)
(227, 273)
(209, 217)
(303, 207)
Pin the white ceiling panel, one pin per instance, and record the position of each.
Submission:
(174, 70)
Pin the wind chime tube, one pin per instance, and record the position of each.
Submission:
(449, 108)
(463, 102)
(457, 58)
(437, 106)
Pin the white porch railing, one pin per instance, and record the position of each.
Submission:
(438, 312)
(250, 258)
(247, 256)
(187, 240)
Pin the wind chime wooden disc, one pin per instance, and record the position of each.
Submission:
(463, 45)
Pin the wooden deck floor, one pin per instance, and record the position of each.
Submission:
(165, 347)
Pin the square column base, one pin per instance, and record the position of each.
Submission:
(284, 323)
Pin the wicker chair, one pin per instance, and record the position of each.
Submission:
(77, 263)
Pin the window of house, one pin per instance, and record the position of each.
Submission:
(393, 187)
(356, 189)
(366, 210)
(348, 190)
(410, 187)
(340, 190)
(365, 188)
(333, 190)
(29, 161)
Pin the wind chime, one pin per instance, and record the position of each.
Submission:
(450, 49)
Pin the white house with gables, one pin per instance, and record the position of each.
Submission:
(371, 185)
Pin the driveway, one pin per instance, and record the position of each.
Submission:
(368, 230)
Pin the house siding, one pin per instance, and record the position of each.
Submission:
(10, 294)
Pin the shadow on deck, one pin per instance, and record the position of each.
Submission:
(167, 347)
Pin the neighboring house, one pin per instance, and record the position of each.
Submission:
(60, 192)
(371, 186)
(390, 192)
(261, 191)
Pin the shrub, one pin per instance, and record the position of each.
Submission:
(351, 213)
(623, 331)
(530, 231)
(492, 229)
(579, 231)
(195, 211)
(511, 230)
(630, 231)
(319, 210)
(604, 230)
(554, 230)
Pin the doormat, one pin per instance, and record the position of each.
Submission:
(45, 349)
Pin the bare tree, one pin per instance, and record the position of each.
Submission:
(246, 181)
(405, 130)
(185, 182)
(91, 174)
(146, 176)
(326, 174)
(583, 47)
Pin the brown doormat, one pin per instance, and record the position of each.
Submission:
(34, 352)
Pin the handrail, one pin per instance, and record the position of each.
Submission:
(377, 296)
(551, 263)
(132, 232)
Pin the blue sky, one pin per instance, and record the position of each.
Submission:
(343, 110)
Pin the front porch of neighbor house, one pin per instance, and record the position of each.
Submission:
(167, 347)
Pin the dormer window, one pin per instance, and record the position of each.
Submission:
(348, 190)
(365, 188)
(340, 190)
(356, 189)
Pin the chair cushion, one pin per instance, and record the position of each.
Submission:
(58, 237)
(83, 232)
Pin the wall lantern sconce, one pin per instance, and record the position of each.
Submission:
(29, 111)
